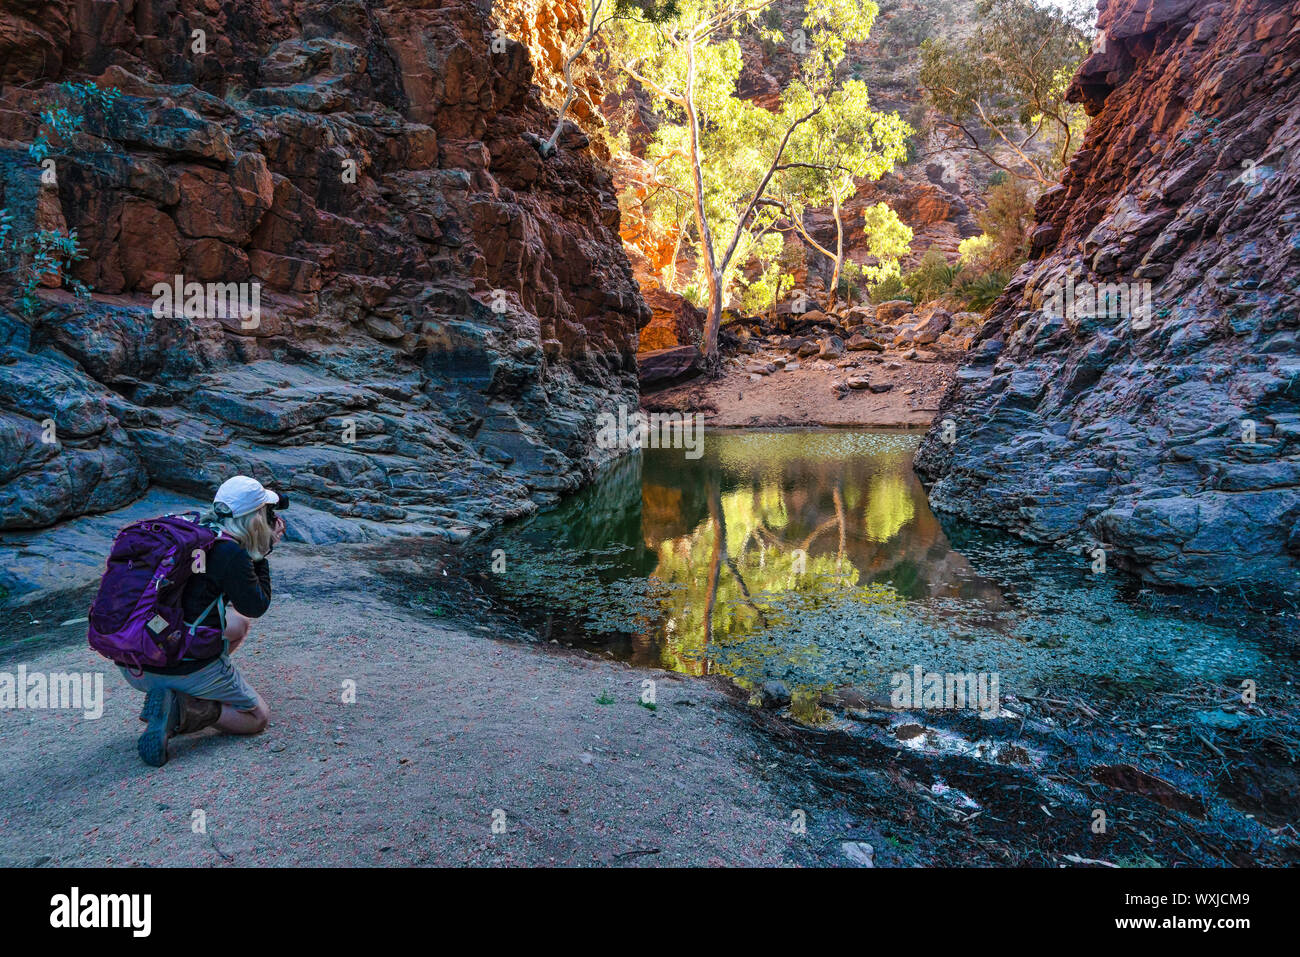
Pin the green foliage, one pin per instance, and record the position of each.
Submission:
(913, 148)
(988, 260)
(723, 153)
(1008, 78)
(846, 142)
(28, 259)
(978, 291)
(1008, 220)
(849, 286)
(774, 264)
(972, 283)
(932, 277)
(88, 96)
(65, 119)
(889, 239)
(647, 11)
(974, 252)
(761, 292)
(889, 289)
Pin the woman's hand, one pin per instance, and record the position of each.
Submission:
(278, 531)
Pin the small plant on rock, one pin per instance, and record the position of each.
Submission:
(65, 120)
(28, 260)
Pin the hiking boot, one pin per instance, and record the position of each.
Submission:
(168, 713)
(196, 713)
(162, 709)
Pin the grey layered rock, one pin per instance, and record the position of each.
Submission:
(1166, 434)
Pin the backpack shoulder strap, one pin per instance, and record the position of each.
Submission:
(220, 604)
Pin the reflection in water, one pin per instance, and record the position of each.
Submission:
(768, 514)
(814, 558)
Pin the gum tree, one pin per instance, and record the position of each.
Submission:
(725, 153)
(599, 14)
(846, 142)
(1002, 89)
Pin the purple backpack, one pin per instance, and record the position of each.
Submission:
(136, 618)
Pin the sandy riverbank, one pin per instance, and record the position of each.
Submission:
(449, 725)
(807, 396)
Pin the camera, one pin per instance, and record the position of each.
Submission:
(273, 507)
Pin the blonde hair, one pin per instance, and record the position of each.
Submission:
(251, 530)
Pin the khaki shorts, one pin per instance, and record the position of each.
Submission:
(218, 681)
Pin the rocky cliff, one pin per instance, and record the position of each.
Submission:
(441, 315)
(1161, 422)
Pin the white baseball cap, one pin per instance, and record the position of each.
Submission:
(242, 495)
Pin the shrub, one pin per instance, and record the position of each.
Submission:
(913, 149)
(888, 289)
(978, 291)
(65, 120)
(975, 252)
(932, 277)
(1008, 220)
(29, 259)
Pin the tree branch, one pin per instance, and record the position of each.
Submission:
(762, 187)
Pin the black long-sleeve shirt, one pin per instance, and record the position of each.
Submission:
(246, 584)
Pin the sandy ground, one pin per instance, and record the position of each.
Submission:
(807, 396)
(449, 725)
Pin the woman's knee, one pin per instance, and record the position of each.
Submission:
(262, 717)
(252, 721)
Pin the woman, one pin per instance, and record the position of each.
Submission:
(236, 580)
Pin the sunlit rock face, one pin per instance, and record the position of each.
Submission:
(442, 314)
(551, 30)
(1165, 429)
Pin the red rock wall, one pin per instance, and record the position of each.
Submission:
(377, 296)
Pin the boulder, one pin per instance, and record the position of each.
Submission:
(660, 367)
(674, 321)
(773, 694)
(832, 347)
(861, 343)
(888, 313)
(931, 327)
